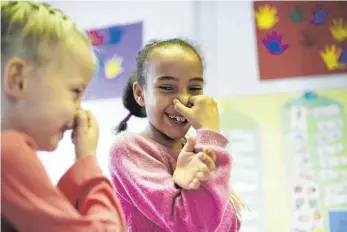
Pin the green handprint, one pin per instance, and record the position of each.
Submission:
(297, 15)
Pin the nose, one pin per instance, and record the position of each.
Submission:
(184, 99)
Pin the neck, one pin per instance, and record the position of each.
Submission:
(6, 117)
(159, 137)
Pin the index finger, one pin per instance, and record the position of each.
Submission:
(91, 119)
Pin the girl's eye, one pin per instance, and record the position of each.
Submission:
(166, 88)
(77, 92)
(195, 89)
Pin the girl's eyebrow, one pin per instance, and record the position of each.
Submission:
(168, 78)
(200, 79)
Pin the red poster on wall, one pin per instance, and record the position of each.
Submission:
(302, 38)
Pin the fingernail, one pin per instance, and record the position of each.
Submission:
(175, 100)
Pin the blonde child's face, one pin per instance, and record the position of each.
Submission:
(47, 105)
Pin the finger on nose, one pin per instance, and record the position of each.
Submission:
(184, 99)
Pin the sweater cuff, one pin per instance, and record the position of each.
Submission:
(211, 137)
(78, 175)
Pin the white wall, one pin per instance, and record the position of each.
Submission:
(226, 35)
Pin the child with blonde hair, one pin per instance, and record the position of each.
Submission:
(165, 182)
(46, 64)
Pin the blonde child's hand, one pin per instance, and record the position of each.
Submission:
(193, 168)
(203, 113)
(85, 134)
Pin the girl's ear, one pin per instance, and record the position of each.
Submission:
(138, 94)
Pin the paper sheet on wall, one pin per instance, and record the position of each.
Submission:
(116, 48)
(290, 159)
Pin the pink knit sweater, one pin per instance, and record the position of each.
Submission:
(142, 170)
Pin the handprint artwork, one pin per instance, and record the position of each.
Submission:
(266, 17)
(298, 39)
(297, 15)
(113, 67)
(331, 55)
(319, 16)
(274, 44)
(343, 56)
(338, 29)
(95, 37)
(98, 61)
(115, 49)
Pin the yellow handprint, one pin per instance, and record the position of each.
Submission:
(339, 29)
(331, 56)
(266, 17)
(113, 67)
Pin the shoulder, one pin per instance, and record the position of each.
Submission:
(127, 141)
(18, 150)
(134, 148)
(126, 146)
(16, 142)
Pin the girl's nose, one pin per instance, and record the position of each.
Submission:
(184, 99)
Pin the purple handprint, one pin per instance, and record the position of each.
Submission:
(319, 16)
(343, 56)
(273, 43)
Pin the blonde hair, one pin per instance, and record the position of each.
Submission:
(36, 31)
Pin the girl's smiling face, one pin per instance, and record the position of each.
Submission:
(172, 72)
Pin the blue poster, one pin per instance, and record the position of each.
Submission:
(116, 48)
(338, 221)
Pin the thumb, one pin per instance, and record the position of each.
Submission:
(190, 145)
(182, 109)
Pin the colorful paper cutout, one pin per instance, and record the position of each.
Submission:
(115, 48)
(98, 61)
(266, 17)
(339, 29)
(319, 16)
(113, 67)
(343, 57)
(96, 38)
(114, 35)
(273, 43)
(297, 15)
(331, 56)
(307, 27)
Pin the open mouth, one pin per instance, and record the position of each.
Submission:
(176, 119)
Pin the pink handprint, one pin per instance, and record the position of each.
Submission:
(273, 43)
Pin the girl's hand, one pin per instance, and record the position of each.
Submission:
(193, 168)
(85, 134)
(203, 114)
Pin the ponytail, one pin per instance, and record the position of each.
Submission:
(130, 104)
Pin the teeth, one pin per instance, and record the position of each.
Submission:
(178, 118)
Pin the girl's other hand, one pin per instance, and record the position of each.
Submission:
(193, 168)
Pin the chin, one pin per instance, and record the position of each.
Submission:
(48, 145)
(176, 135)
